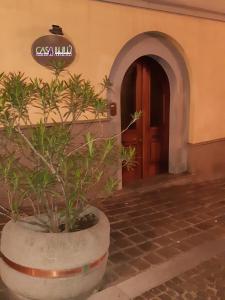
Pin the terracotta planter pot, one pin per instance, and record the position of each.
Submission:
(54, 266)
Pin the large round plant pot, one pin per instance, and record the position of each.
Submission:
(54, 266)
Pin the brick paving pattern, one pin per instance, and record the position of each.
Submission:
(150, 227)
(205, 282)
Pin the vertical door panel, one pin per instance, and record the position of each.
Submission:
(131, 137)
(159, 119)
(146, 90)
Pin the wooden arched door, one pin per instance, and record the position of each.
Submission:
(145, 88)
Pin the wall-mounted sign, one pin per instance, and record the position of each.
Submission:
(53, 48)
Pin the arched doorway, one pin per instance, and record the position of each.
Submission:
(171, 56)
(145, 88)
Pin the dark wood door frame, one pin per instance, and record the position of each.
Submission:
(150, 140)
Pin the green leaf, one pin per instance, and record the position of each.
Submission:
(89, 139)
(111, 185)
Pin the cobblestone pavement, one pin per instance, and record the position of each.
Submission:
(205, 282)
(150, 227)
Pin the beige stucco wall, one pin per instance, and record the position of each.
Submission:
(99, 30)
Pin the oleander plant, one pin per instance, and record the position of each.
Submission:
(46, 162)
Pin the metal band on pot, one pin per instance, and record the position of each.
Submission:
(53, 273)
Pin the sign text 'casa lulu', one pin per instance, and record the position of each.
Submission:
(52, 49)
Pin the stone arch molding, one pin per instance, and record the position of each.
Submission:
(168, 53)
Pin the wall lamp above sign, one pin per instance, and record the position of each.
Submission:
(53, 49)
(56, 29)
